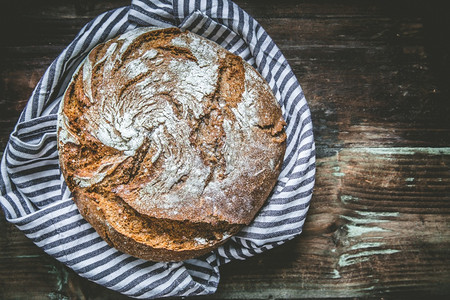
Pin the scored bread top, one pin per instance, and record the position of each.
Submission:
(174, 125)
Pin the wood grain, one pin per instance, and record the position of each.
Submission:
(374, 228)
(375, 74)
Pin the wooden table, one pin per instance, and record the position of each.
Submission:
(376, 75)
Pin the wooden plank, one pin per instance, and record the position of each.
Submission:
(378, 225)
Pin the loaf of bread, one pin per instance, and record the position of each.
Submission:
(169, 143)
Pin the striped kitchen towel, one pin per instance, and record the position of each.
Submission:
(34, 197)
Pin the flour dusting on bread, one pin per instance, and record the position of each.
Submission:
(168, 127)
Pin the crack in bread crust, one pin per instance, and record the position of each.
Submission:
(164, 129)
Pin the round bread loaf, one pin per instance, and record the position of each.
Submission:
(169, 143)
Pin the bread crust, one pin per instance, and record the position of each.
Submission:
(169, 143)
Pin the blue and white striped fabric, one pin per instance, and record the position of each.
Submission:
(35, 198)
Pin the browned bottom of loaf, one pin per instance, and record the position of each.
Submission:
(147, 237)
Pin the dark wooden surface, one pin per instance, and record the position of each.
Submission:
(376, 75)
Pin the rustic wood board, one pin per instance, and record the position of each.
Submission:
(378, 225)
(376, 76)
